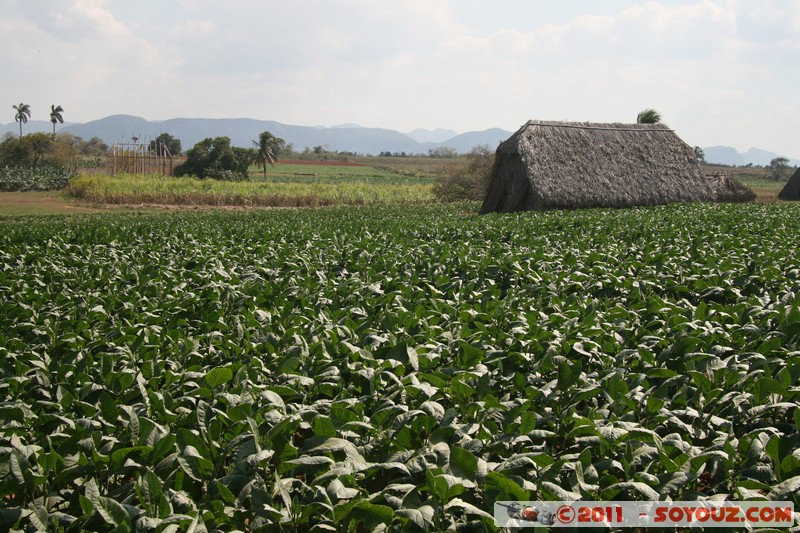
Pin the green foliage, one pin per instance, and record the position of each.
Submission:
(36, 161)
(443, 151)
(468, 181)
(23, 113)
(317, 153)
(216, 159)
(30, 150)
(268, 149)
(56, 116)
(96, 162)
(648, 116)
(779, 169)
(34, 179)
(41, 149)
(395, 367)
(168, 142)
(93, 147)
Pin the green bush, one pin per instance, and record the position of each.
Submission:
(468, 181)
(95, 162)
(216, 159)
(37, 162)
(43, 178)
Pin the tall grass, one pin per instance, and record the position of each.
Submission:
(766, 190)
(159, 190)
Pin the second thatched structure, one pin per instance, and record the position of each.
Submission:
(791, 191)
(727, 189)
(552, 165)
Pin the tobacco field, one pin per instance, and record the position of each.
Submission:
(392, 368)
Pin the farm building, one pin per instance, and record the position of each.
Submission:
(791, 191)
(727, 189)
(552, 165)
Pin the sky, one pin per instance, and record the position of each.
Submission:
(720, 72)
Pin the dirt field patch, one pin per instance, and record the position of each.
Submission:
(41, 203)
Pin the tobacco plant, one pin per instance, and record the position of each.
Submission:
(394, 368)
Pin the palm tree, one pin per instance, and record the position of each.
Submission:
(55, 116)
(264, 150)
(23, 113)
(648, 116)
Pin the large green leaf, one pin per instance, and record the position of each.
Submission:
(218, 376)
(463, 463)
(422, 517)
(786, 490)
(370, 516)
(499, 487)
(635, 489)
(333, 445)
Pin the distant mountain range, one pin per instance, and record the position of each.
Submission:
(242, 132)
(726, 155)
(341, 138)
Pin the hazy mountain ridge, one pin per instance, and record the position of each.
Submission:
(342, 138)
(727, 155)
(438, 135)
(242, 132)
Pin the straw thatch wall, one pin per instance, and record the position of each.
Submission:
(728, 190)
(549, 165)
(791, 191)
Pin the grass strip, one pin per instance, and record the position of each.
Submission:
(159, 190)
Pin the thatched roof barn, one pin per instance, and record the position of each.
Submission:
(551, 165)
(728, 190)
(791, 191)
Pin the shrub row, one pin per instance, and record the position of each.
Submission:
(34, 179)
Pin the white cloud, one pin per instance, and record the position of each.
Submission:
(768, 21)
(78, 20)
(710, 66)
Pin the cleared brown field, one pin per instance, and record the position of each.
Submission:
(42, 203)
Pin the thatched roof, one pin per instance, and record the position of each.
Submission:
(791, 191)
(726, 189)
(546, 165)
